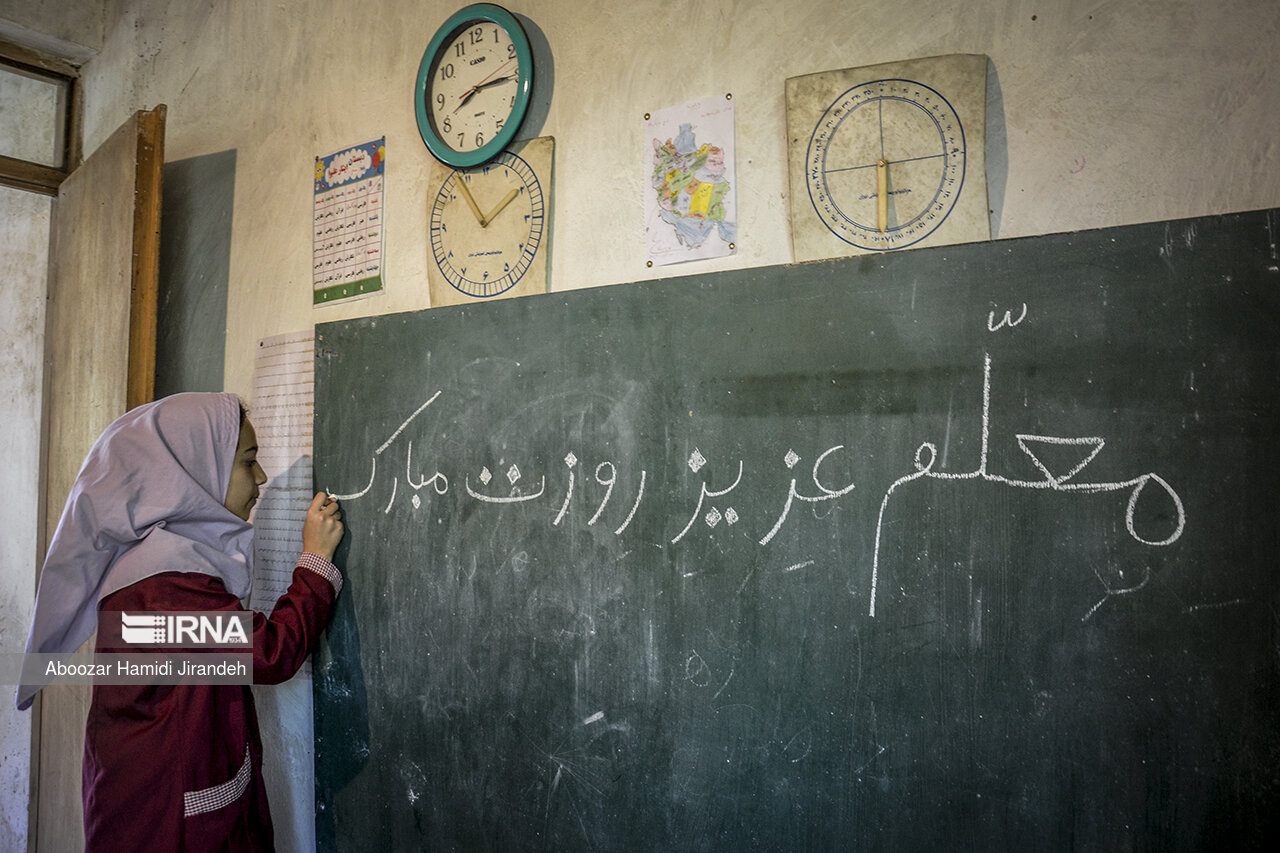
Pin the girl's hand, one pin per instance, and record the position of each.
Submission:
(322, 530)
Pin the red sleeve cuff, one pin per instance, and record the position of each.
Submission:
(322, 567)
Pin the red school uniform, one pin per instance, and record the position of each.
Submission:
(179, 767)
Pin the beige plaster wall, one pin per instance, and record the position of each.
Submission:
(24, 236)
(1107, 113)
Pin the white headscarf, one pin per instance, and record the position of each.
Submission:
(148, 499)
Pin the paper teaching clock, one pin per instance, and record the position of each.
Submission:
(888, 157)
(488, 226)
(473, 85)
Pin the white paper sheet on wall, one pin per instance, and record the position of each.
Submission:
(283, 409)
(282, 414)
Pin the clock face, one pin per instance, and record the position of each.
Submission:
(886, 164)
(473, 85)
(487, 226)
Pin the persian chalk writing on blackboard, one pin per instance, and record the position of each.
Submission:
(348, 223)
(507, 485)
(1090, 446)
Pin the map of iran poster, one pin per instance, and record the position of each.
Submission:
(691, 206)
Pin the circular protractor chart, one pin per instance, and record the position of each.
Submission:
(885, 164)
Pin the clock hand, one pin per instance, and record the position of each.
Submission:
(487, 81)
(471, 202)
(466, 96)
(506, 199)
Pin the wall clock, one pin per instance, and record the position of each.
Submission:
(888, 157)
(489, 224)
(473, 85)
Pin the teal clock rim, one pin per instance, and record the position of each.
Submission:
(524, 84)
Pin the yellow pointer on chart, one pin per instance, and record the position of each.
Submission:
(882, 195)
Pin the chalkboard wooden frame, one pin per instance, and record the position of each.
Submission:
(970, 548)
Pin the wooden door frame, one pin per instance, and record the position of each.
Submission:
(68, 428)
(145, 286)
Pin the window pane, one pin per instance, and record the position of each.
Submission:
(32, 116)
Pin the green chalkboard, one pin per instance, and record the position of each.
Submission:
(967, 548)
